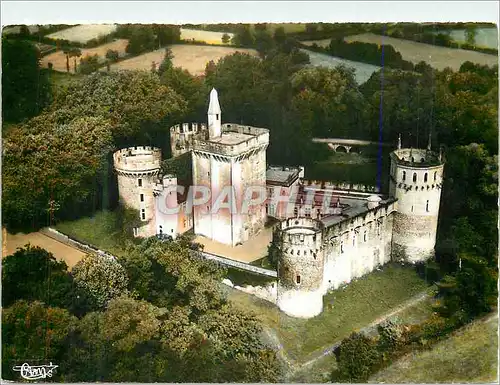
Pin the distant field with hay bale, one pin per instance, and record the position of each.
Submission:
(83, 33)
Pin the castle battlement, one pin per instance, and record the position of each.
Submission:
(416, 158)
(137, 159)
(188, 128)
(235, 140)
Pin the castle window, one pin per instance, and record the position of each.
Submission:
(404, 176)
(291, 252)
(435, 175)
(411, 208)
(161, 230)
(414, 177)
(143, 214)
(412, 159)
(425, 177)
(298, 279)
(342, 247)
(142, 197)
(217, 116)
(208, 173)
(427, 206)
(298, 252)
(422, 160)
(364, 236)
(314, 255)
(354, 240)
(139, 182)
(296, 212)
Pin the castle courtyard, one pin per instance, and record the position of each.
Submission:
(252, 250)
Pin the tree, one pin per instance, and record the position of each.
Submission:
(89, 64)
(142, 39)
(226, 39)
(33, 333)
(112, 55)
(166, 34)
(470, 34)
(32, 273)
(166, 62)
(48, 161)
(74, 53)
(356, 358)
(243, 36)
(101, 278)
(25, 87)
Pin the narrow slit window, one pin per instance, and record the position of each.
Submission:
(414, 177)
(435, 175)
(139, 182)
(404, 176)
(427, 206)
(142, 197)
(143, 214)
(425, 177)
(298, 279)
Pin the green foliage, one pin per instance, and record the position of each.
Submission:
(112, 55)
(101, 278)
(142, 39)
(166, 63)
(25, 88)
(357, 357)
(33, 273)
(226, 38)
(33, 333)
(88, 64)
(52, 169)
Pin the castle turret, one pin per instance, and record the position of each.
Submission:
(137, 169)
(301, 267)
(416, 181)
(214, 115)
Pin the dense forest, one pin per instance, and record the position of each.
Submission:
(165, 319)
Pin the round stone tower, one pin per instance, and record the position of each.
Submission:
(416, 181)
(138, 169)
(300, 267)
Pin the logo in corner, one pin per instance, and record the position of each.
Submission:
(35, 372)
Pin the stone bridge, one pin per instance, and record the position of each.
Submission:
(347, 145)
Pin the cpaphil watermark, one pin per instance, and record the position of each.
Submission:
(241, 201)
(35, 372)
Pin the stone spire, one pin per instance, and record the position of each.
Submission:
(399, 142)
(214, 115)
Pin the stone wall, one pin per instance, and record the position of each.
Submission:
(181, 136)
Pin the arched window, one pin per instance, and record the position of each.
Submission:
(414, 177)
(427, 206)
(425, 177)
(404, 176)
(435, 175)
(298, 279)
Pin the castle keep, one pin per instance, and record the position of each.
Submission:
(332, 235)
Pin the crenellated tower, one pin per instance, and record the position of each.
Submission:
(301, 267)
(138, 169)
(416, 180)
(227, 160)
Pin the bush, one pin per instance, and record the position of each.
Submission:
(112, 55)
(88, 64)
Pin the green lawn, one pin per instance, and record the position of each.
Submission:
(100, 231)
(469, 355)
(345, 310)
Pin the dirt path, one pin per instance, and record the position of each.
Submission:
(61, 251)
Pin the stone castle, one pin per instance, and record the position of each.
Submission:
(320, 250)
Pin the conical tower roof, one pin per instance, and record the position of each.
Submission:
(214, 106)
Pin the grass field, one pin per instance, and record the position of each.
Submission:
(208, 37)
(99, 230)
(58, 59)
(469, 355)
(353, 307)
(193, 58)
(437, 57)
(83, 33)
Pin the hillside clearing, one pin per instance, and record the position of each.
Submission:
(58, 59)
(209, 37)
(469, 355)
(83, 33)
(193, 58)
